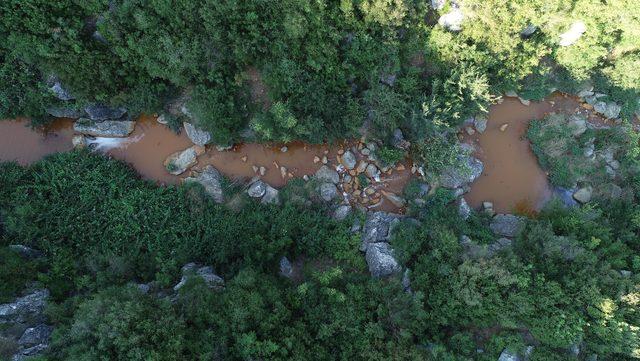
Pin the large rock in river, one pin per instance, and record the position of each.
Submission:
(106, 128)
(507, 225)
(211, 179)
(381, 260)
(198, 136)
(179, 162)
(328, 191)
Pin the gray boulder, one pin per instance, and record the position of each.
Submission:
(480, 123)
(35, 336)
(381, 260)
(106, 128)
(24, 308)
(583, 195)
(378, 227)
(286, 268)
(452, 20)
(609, 110)
(24, 251)
(528, 31)
(257, 189)
(211, 179)
(348, 159)
(196, 135)
(206, 273)
(398, 140)
(326, 174)
(372, 171)
(342, 212)
(463, 209)
(506, 225)
(178, 162)
(438, 4)
(60, 92)
(572, 34)
(577, 125)
(456, 177)
(271, 195)
(328, 191)
(103, 112)
(507, 355)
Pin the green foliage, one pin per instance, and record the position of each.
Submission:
(15, 273)
(390, 156)
(122, 324)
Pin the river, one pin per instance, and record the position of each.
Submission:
(512, 178)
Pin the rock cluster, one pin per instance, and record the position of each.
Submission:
(24, 324)
(206, 273)
(376, 234)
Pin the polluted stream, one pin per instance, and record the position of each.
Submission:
(512, 178)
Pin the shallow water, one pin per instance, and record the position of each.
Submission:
(25, 145)
(512, 178)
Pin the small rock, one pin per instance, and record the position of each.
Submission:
(257, 189)
(60, 92)
(286, 268)
(263, 171)
(284, 149)
(365, 151)
(283, 172)
(305, 177)
(316, 159)
(470, 131)
(583, 195)
(528, 30)
(398, 140)
(504, 127)
(348, 159)
(178, 162)
(325, 160)
(244, 159)
(480, 123)
(342, 212)
(373, 172)
(162, 119)
(79, 141)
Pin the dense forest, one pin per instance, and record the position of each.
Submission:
(137, 271)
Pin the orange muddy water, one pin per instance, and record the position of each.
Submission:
(511, 178)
